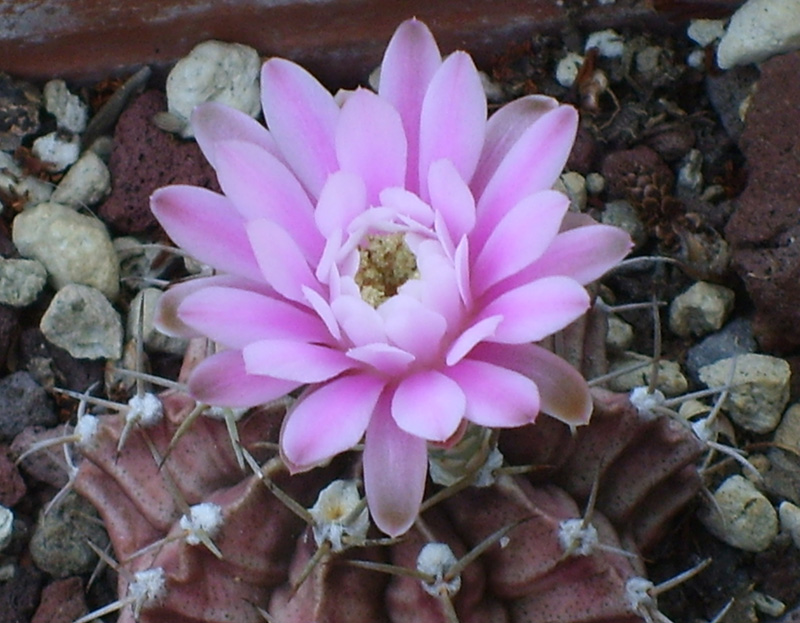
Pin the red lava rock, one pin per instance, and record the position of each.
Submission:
(19, 595)
(144, 159)
(62, 602)
(48, 465)
(9, 321)
(764, 232)
(623, 170)
(12, 487)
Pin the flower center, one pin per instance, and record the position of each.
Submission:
(385, 264)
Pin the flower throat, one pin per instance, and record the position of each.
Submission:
(385, 264)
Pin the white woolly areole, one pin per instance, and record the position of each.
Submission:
(85, 429)
(203, 519)
(436, 559)
(335, 504)
(223, 413)
(146, 410)
(576, 538)
(637, 590)
(646, 401)
(148, 587)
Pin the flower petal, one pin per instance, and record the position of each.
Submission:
(410, 61)
(496, 396)
(451, 197)
(262, 187)
(395, 467)
(428, 404)
(536, 310)
(472, 336)
(453, 119)
(503, 129)
(359, 320)
(221, 380)
(563, 391)
(301, 116)
(342, 199)
(385, 358)
(329, 419)
(294, 361)
(206, 225)
(371, 143)
(519, 239)
(236, 317)
(533, 164)
(412, 326)
(213, 122)
(281, 260)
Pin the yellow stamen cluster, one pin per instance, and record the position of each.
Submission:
(386, 263)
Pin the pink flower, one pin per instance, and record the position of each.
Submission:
(395, 256)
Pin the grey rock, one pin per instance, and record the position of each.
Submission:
(85, 184)
(622, 214)
(742, 517)
(6, 526)
(735, 338)
(59, 544)
(23, 402)
(140, 317)
(783, 476)
(69, 110)
(82, 321)
(74, 248)
(701, 309)
(670, 379)
(21, 281)
(759, 391)
(789, 515)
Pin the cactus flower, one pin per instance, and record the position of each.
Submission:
(393, 255)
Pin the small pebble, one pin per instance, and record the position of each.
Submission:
(696, 59)
(214, 71)
(82, 321)
(595, 183)
(29, 190)
(690, 174)
(742, 516)
(758, 30)
(567, 69)
(48, 466)
(622, 214)
(59, 545)
(85, 184)
(735, 338)
(62, 602)
(705, 31)
(23, 402)
(154, 340)
(21, 281)
(57, 150)
(789, 515)
(670, 379)
(609, 43)
(759, 392)
(70, 112)
(6, 527)
(574, 186)
(619, 335)
(701, 309)
(73, 247)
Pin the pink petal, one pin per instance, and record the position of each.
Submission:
(262, 187)
(343, 198)
(536, 310)
(437, 289)
(453, 118)
(451, 197)
(406, 203)
(281, 260)
(359, 320)
(371, 143)
(236, 318)
(301, 116)
(496, 396)
(385, 358)
(213, 122)
(563, 391)
(413, 327)
(521, 236)
(395, 466)
(410, 61)
(294, 360)
(533, 164)
(206, 226)
(474, 335)
(428, 404)
(461, 264)
(221, 380)
(503, 129)
(324, 311)
(329, 419)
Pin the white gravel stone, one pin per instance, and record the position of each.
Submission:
(609, 43)
(6, 526)
(57, 150)
(789, 515)
(69, 110)
(690, 173)
(146, 301)
(214, 71)
(573, 185)
(16, 184)
(670, 381)
(743, 516)
(705, 31)
(759, 393)
(619, 335)
(595, 183)
(82, 321)
(567, 69)
(758, 30)
(85, 184)
(74, 248)
(701, 309)
(21, 281)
